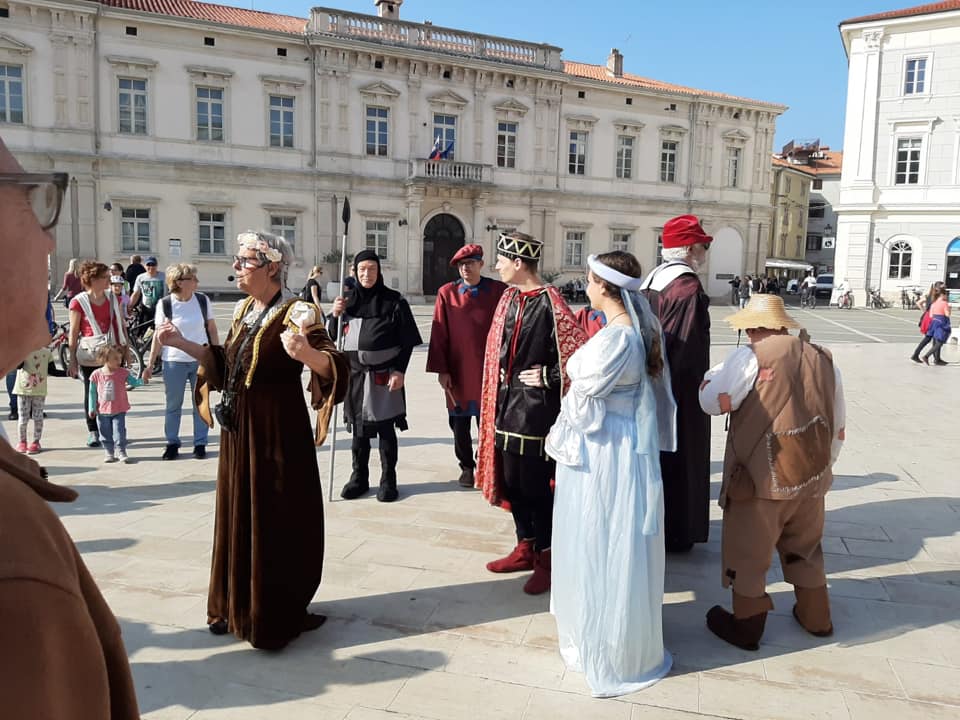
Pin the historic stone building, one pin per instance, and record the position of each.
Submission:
(183, 123)
(899, 210)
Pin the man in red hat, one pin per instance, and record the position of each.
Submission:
(461, 320)
(676, 295)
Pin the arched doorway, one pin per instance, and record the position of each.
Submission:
(726, 261)
(952, 273)
(442, 237)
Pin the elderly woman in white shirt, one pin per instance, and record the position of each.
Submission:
(192, 314)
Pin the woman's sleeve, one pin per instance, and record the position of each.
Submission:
(331, 388)
(605, 357)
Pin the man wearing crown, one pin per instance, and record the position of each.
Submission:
(678, 299)
(787, 417)
(524, 377)
(461, 320)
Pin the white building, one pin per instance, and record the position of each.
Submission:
(899, 210)
(181, 129)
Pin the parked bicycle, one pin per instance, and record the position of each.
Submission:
(845, 300)
(140, 336)
(876, 300)
(909, 297)
(60, 345)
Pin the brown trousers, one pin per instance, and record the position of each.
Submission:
(752, 528)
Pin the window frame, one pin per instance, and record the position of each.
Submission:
(569, 261)
(134, 93)
(669, 169)
(905, 251)
(621, 239)
(507, 141)
(200, 211)
(377, 120)
(385, 230)
(927, 59)
(921, 154)
(5, 83)
(294, 226)
(623, 164)
(577, 151)
(814, 242)
(447, 131)
(733, 166)
(293, 120)
(210, 102)
(135, 208)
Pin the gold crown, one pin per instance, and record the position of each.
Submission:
(519, 245)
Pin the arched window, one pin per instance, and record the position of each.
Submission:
(901, 258)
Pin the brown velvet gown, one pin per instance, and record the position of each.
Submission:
(268, 535)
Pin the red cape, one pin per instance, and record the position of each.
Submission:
(569, 337)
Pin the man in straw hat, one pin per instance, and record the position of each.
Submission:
(524, 376)
(678, 300)
(787, 416)
(461, 320)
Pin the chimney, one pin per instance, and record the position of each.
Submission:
(615, 63)
(389, 9)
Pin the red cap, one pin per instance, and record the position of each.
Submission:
(467, 252)
(682, 231)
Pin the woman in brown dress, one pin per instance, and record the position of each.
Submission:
(268, 536)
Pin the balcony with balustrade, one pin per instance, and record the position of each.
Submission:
(450, 172)
(330, 22)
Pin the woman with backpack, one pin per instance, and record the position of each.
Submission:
(191, 313)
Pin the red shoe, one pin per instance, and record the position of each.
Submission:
(22, 446)
(539, 582)
(34, 448)
(519, 559)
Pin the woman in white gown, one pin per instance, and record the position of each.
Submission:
(608, 552)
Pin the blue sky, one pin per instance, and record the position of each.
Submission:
(764, 49)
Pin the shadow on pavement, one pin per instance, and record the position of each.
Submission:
(100, 500)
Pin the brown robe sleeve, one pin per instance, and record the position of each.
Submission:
(326, 390)
(211, 375)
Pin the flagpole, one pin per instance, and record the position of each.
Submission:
(343, 271)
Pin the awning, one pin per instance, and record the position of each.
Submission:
(787, 264)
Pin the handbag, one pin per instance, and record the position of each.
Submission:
(925, 322)
(89, 346)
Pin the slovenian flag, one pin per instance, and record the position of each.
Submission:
(435, 154)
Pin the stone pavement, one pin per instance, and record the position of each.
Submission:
(419, 629)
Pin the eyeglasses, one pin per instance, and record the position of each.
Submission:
(44, 191)
(188, 277)
(247, 262)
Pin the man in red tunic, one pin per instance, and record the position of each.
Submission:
(677, 297)
(461, 320)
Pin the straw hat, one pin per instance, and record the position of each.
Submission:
(763, 311)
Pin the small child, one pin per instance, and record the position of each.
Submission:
(31, 391)
(118, 287)
(108, 394)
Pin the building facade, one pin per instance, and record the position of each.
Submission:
(182, 128)
(899, 208)
(790, 197)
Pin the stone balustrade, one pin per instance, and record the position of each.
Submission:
(328, 21)
(453, 171)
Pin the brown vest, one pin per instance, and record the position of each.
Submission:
(778, 446)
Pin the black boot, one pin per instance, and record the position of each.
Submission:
(388, 473)
(359, 483)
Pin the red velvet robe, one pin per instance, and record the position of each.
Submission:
(461, 320)
(590, 320)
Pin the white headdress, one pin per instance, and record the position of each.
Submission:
(251, 240)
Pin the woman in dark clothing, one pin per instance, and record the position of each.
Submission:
(379, 336)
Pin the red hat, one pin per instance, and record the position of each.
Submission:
(682, 231)
(467, 252)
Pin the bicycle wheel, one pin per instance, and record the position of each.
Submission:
(812, 303)
(135, 361)
(64, 353)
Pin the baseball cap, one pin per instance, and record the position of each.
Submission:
(117, 280)
(151, 260)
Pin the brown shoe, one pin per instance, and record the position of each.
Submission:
(466, 479)
(539, 582)
(745, 633)
(519, 559)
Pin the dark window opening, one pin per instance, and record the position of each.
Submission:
(378, 64)
(581, 94)
(629, 101)
(131, 30)
(282, 52)
(446, 74)
(4, 12)
(209, 41)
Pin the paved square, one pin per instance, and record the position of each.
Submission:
(419, 629)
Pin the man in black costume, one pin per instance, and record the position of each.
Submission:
(379, 336)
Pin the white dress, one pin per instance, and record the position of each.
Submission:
(608, 552)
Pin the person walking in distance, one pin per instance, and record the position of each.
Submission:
(461, 320)
(531, 338)
(678, 299)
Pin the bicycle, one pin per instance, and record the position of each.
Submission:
(60, 345)
(808, 298)
(140, 335)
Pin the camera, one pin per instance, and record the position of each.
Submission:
(224, 411)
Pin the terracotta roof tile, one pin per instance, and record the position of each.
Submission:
(831, 164)
(802, 169)
(600, 72)
(928, 9)
(214, 13)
